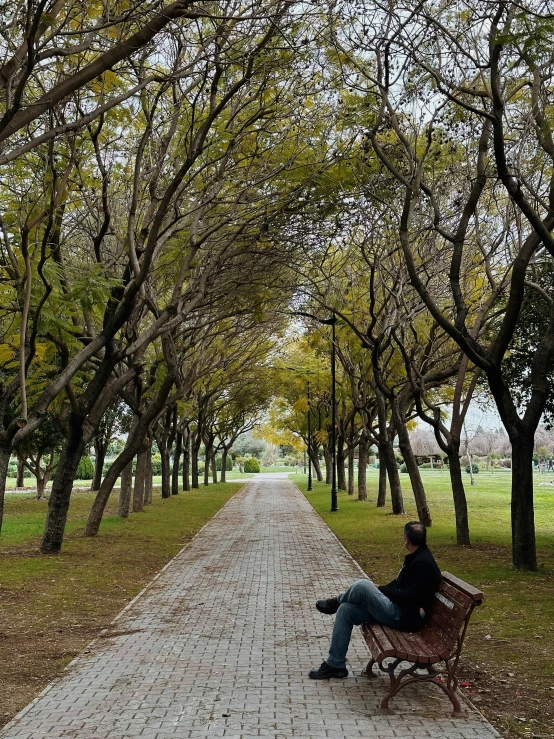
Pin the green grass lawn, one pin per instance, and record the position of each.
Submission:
(511, 636)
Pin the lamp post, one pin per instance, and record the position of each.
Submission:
(334, 504)
(310, 486)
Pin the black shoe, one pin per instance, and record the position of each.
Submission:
(330, 606)
(326, 671)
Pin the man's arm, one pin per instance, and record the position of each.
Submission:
(402, 596)
(422, 575)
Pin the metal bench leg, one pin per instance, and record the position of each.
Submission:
(369, 669)
(407, 677)
(394, 687)
(451, 693)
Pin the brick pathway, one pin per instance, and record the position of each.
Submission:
(220, 644)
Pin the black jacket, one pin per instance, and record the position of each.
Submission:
(414, 587)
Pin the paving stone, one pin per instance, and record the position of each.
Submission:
(220, 644)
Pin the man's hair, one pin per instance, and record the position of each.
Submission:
(416, 533)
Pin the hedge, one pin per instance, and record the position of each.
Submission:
(251, 465)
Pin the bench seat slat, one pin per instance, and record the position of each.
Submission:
(417, 646)
(386, 645)
(374, 646)
(394, 638)
(378, 642)
(433, 647)
(404, 649)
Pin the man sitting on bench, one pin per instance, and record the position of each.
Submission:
(402, 604)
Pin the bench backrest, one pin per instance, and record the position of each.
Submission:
(452, 607)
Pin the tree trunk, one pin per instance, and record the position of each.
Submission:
(139, 440)
(186, 459)
(382, 490)
(470, 465)
(362, 469)
(140, 474)
(148, 476)
(20, 480)
(5, 454)
(214, 468)
(397, 499)
(194, 470)
(223, 476)
(125, 490)
(118, 467)
(341, 473)
(314, 456)
(58, 504)
(176, 462)
(42, 477)
(411, 465)
(165, 455)
(38, 473)
(386, 435)
(328, 464)
(100, 451)
(523, 516)
(350, 471)
(207, 462)
(459, 494)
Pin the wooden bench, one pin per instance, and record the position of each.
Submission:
(440, 640)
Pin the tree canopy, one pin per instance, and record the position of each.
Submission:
(189, 189)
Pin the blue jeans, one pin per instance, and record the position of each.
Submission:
(362, 603)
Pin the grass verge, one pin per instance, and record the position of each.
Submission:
(507, 664)
(52, 606)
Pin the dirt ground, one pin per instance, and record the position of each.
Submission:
(37, 644)
(516, 705)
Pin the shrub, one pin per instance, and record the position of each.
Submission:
(403, 467)
(228, 464)
(251, 465)
(85, 470)
(12, 471)
(156, 464)
(475, 468)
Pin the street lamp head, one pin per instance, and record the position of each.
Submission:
(328, 321)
